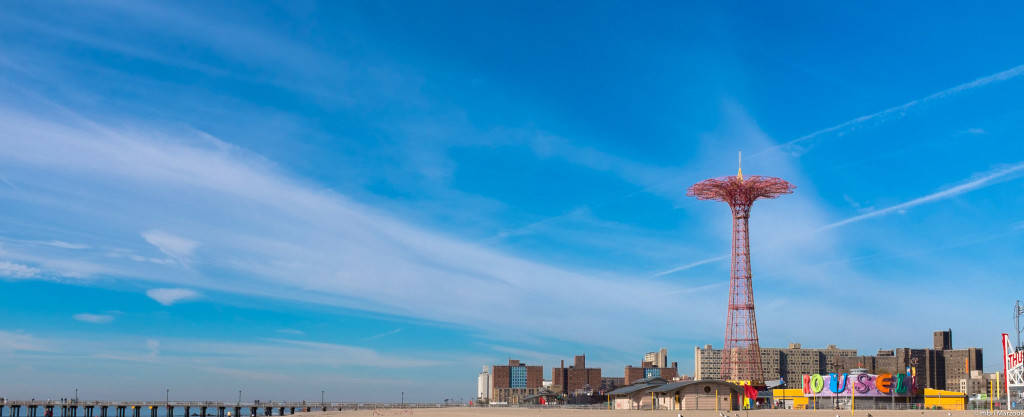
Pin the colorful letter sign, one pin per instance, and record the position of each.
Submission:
(901, 384)
(867, 385)
(884, 383)
(837, 384)
(862, 384)
(817, 383)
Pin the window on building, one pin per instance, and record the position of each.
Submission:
(517, 377)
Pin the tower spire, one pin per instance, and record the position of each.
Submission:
(740, 172)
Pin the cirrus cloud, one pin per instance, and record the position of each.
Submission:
(169, 296)
(93, 318)
(174, 246)
(13, 270)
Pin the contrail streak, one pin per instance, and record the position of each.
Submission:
(985, 181)
(902, 109)
(941, 195)
(688, 266)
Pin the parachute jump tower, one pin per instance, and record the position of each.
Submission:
(741, 356)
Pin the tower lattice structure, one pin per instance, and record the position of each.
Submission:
(741, 356)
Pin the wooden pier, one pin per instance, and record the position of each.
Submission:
(50, 408)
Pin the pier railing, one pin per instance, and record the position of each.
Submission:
(311, 405)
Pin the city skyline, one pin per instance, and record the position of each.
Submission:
(370, 198)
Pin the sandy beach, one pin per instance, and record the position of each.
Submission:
(557, 412)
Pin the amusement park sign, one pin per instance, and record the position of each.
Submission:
(1013, 365)
(867, 385)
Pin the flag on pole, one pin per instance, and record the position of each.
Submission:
(750, 392)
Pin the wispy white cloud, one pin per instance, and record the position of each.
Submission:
(174, 246)
(335, 354)
(245, 374)
(18, 271)
(14, 341)
(94, 318)
(73, 268)
(169, 296)
(30, 259)
(230, 41)
(526, 355)
(294, 368)
(273, 235)
(295, 332)
(901, 110)
(268, 353)
(66, 245)
(981, 180)
(240, 356)
(622, 244)
(123, 253)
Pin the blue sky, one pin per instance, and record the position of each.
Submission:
(371, 198)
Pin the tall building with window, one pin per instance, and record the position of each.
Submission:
(785, 364)
(510, 383)
(649, 370)
(483, 386)
(943, 339)
(940, 367)
(659, 359)
(576, 379)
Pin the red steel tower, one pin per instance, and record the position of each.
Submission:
(741, 356)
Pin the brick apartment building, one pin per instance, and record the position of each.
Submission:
(576, 379)
(649, 370)
(510, 383)
(788, 364)
(940, 367)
